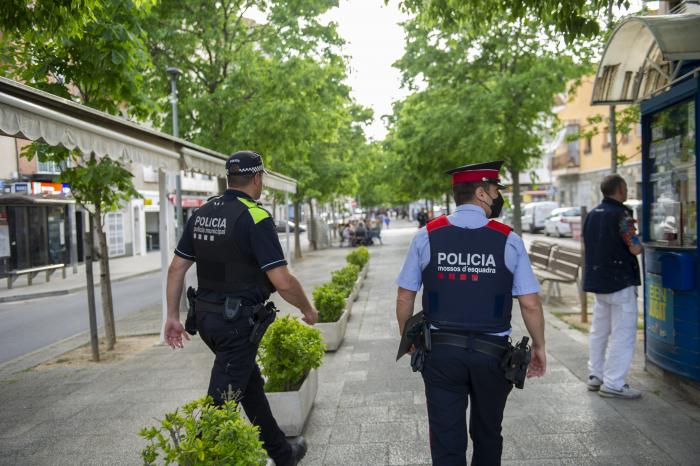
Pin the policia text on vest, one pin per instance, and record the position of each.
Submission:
(240, 263)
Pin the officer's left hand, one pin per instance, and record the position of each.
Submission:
(174, 330)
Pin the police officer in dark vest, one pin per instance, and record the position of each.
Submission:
(470, 268)
(240, 263)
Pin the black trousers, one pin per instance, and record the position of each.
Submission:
(454, 376)
(236, 375)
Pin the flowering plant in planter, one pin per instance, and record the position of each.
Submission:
(329, 301)
(345, 278)
(359, 257)
(288, 351)
(200, 433)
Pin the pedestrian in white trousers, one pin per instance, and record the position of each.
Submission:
(612, 273)
(614, 329)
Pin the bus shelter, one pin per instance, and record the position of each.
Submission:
(35, 115)
(655, 61)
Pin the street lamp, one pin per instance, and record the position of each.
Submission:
(173, 73)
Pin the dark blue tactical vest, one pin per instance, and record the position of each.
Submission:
(610, 266)
(466, 285)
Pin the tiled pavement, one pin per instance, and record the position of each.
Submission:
(369, 410)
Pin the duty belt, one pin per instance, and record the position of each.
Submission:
(472, 342)
(218, 308)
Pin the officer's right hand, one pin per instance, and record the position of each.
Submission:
(174, 331)
(310, 316)
(538, 363)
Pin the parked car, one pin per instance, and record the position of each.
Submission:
(281, 228)
(559, 221)
(534, 214)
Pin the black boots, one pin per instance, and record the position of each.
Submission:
(298, 449)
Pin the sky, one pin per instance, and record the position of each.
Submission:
(375, 40)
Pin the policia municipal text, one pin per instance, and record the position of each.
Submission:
(239, 264)
(464, 355)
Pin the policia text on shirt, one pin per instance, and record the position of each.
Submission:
(240, 263)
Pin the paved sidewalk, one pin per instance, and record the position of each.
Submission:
(370, 410)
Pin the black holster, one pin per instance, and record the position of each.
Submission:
(263, 316)
(515, 362)
(191, 320)
(420, 334)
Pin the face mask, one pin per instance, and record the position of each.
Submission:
(496, 206)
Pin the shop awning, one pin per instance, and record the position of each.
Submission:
(39, 116)
(644, 55)
(29, 199)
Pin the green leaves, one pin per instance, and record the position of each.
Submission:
(572, 18)
(329, 301)
(200, 433)
(358, 257)
(288, 351)
(487, 94)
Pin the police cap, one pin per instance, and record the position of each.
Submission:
(245, 162)
(478, 173)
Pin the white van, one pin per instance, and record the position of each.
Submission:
(534, 214)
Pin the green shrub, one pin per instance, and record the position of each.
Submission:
(329, 301)
(288, 351)
(201, 433)
(345, 278)
(359, 257)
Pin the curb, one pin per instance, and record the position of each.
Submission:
(48, 294)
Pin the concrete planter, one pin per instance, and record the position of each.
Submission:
(333, 332)
(291, 409)
(363, 272)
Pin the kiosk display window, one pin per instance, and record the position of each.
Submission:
(673, 219)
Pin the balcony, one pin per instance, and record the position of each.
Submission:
(564, 164)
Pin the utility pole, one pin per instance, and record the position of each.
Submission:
(174, 73)
(612, 123)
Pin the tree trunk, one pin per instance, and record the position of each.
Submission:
(105, 285)
(311, 226)
(447, 203)
(89, 248)
(612, 131)
(297, 237)
(517, 224)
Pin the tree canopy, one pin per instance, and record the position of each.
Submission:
(574, 19)
(482, 97)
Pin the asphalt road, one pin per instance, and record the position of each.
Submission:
(30, 325)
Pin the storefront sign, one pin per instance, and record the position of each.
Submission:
(23, 188)
(47, 188)
(659, 302)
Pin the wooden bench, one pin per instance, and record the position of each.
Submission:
(563, 267)
(540, 252)
(33, 272)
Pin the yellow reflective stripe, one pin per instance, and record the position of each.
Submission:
(258, 213)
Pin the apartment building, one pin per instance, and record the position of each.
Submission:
(578, 166)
